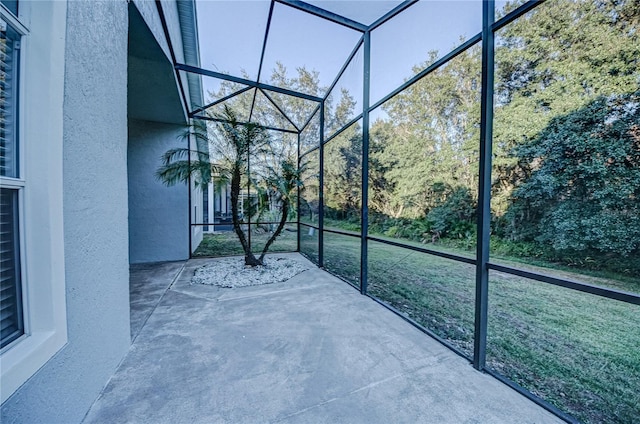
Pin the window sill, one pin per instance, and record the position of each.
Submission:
(24, 357)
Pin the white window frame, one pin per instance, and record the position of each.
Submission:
(40, 142)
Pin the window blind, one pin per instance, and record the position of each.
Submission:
(8, 75)
(11, 319)
(11, 325)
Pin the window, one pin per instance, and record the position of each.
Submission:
(33, 322)
(11, 320)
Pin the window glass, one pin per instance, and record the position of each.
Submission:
(231, 34)
(309, 243)
(423, 158)
(344, 102)
(309, 203)
(310, 192)
(298, 110)
(310, 136)
(265, 112)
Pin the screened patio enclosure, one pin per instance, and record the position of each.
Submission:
(473, 166)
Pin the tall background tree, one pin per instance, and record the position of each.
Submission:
(555, 65)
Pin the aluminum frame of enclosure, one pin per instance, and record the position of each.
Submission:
(482, 262)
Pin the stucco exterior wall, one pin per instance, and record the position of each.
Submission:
(95, 220)
(158, 215)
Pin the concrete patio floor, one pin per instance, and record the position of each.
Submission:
(309, 350)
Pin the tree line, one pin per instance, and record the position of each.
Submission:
(566, 142)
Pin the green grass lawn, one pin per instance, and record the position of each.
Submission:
(309, 242)
(226, 243)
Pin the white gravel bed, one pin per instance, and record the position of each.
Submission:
(231, 272)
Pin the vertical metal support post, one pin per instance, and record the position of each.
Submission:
(321, 190)
(213, 201)
(190, 201)
(248, 210)
(364, 207)
(484, 188)
(298, 201)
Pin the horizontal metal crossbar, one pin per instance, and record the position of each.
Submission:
(515, 14)
(324, 14)
(393, 12)
(220, 100)
(309, 225)
(574, 285)
(242, 223)
(219, 75)
(341, 232)
(445, 255)
(207, 118)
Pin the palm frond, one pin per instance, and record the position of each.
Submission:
(182, 164)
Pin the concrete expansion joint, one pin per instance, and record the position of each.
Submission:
(177, 276)
(144, 323)
(352, 392)
(250, 296)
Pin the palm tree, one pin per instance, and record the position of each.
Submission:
(238, 142)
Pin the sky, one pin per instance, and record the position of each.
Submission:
(231, 35)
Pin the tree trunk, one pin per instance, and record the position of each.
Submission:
(249, 258)
(283, 219)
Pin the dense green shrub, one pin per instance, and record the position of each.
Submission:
(583, 187)
(455, 215)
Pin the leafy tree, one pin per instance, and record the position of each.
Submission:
(430, 137)
(552, 61)
(343, 174)
(582, 191)
(236, 142)
(381, 188)
(297, 109)
(309, 194)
